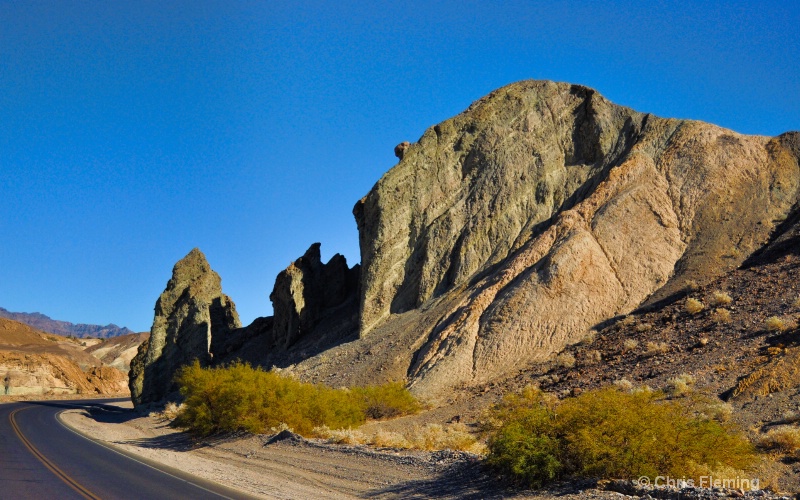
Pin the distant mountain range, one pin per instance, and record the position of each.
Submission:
(81, 330)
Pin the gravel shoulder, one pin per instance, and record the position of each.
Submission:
(269, 467)
(299, 468)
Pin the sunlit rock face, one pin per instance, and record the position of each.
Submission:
(189, 314)
(544, 209)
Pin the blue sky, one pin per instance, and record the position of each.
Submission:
(131, 132)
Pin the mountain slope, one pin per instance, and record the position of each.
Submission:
(34, 362)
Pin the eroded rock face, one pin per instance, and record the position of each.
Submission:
(189, 315)
(305, 290)
(545, 209)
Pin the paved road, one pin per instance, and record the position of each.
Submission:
(40, 458)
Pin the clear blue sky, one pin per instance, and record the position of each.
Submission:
(131, 132)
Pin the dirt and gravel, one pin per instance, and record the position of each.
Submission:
(292, 467)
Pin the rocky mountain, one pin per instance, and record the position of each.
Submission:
(35, 363)
(508, 233)
(65, 328)
(186, 313)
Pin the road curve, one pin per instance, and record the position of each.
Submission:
(41, 458)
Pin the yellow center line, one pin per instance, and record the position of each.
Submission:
(47, 463)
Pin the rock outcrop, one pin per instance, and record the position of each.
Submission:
(192, 315)
(305, 290)
(504, 235)
(545, 209)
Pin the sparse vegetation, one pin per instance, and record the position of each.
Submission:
(592, 357)
(643, 327)
(680, 385)
(693, 306)
(565, 360)
(784, 439)
(776, 324)
(779, 373)
(719, 298)
(624, 384)
(428, 437)
(240, 397)
(590, 337)
(721, 315)
(630, 344)
(654, 348)
(608, 433)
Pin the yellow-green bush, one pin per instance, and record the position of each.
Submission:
(387, 400)
(609, 433)
(239, 397)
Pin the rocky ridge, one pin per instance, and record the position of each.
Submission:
(65, 328)
(507, 233)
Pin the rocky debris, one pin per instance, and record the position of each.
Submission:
(305, 290)
(285, 435)
(65, 328)
(189, 315)
(543, 210)
(400, 149)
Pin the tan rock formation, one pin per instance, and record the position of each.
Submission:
(544, 209)
(33, 362)
(191, 316)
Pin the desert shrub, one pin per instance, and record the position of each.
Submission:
(719, 298)
(680, 385)
(654, 348)
(630, 344)
(340, 436)
(784, 439)
(643, 327)
(428, 437)
(609, 433)
(775, 324)
(589, 338)
(624, 384)
(693, 306)
(387, 400)
(239, 397)
(721, 315)
(440, 437)
(592, 357)
(565, 360)
(628, 321)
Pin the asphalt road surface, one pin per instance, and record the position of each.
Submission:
(41, 458)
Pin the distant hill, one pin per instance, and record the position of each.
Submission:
(35, 363)
(81, 330)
